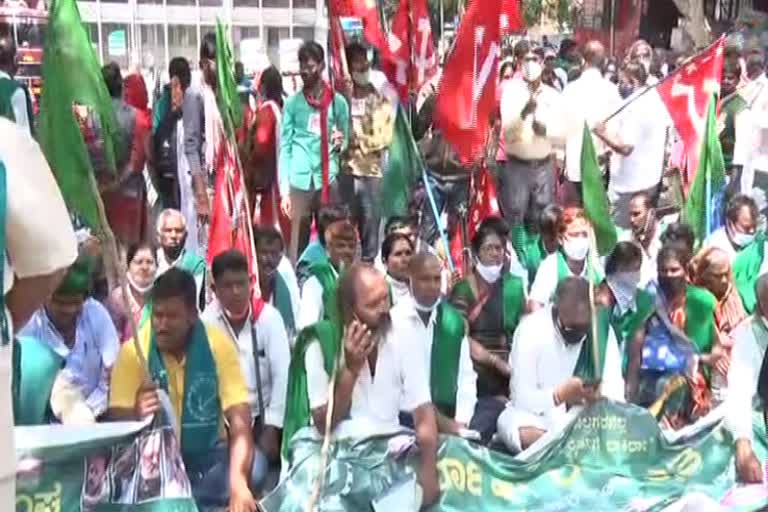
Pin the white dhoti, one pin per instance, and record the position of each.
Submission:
(512, 419)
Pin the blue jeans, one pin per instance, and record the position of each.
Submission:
(210, 486)
(363, 196)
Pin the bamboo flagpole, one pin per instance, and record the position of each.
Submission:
(591, 276)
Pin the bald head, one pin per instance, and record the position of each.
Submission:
(424, 260)
(363, 294)
(573, 308)
(594, 54)
(426, 280)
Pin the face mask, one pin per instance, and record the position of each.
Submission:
(672, 286)
(135, 286)
(625, 91)
(421, 307)
(361, 78)
(570, 336)
(489, 273)
(624, 288)
(576, 248)
(741, 239)
(531, 70)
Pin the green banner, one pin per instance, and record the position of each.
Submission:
(109, 467)
(611, 457)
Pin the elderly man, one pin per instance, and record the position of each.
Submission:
(259, 335)
(172, 236)
(373, 346)
(80, 331)
(545, 352)
(197, 365)
(440, 332)
(745, 381)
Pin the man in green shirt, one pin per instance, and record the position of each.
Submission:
(315, 130)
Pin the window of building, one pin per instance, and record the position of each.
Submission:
(182, 42)
(116, 43)
(181, 2)
(152, 46)
(304, 4)
(245, 3)
(276, 3)
(304, 33)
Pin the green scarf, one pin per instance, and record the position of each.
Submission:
(746, 270)
(444, 362)
(512, 297)
(161, 107)
(192, 263)
(36, 366)
(564, 271)
(281, 297)
(700, 317)
(529, 248)
(730, 108)
(626, 325)
(202, 407)
(328, 278)
(585, 365)
(297, 412)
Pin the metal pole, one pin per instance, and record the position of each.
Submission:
(613, 28)
(167, 43)
(290, 24)
(99, 30)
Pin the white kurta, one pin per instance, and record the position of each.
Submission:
(743, 374)
(541, 361)
(421, 336)
(719, 238)
(648, 268)
(311, 309)
(274, 358)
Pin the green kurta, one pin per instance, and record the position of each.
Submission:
(730, 109)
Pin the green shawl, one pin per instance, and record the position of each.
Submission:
(281, 297)
(202, 406)
(512, 296)
(36, 366)
(297, 411)
(530, 250)
(563, 271)
(700, 318)
(445, 358)
(730, 109)
(327, 276)
(585, 365)
(746, 270)
(626, 325)
(192, 263)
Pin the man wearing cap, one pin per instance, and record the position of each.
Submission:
(80, 331)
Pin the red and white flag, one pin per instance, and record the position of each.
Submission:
(511, 20)
(686, 94)
(230, 219)
(367, 12)
(467, 93)
(410, 59)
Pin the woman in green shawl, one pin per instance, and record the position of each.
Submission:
(493, 300)
(629, 305)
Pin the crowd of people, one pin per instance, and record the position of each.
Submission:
(359, 318)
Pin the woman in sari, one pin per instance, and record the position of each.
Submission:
(396, 253)
(142, 267)
(671, 368)
(630, 306)
(711, 269)
(493, 301)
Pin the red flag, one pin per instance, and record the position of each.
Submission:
(511, 19)
(483, 204)
(686, 94)
(338, 55)
(230, 219)
(467, 94)
(410, 59)
(369, 15)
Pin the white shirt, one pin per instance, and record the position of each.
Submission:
(285, 269)
(18, 104)
(400, 291)
(311, 309)
(520, 139)
(643, 125)
(406, 316)
(547, 278)
(274, 358)
(590, 98)
(400, 383)
(648, 268)
(39, 241)
(719, 238)
(746, 359)
(541, 361)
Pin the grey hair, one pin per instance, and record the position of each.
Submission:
(167, 214)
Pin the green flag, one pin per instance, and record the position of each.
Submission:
(596, 205)
(226, 93)
(405, 168)
(702, 206)
(72, 76)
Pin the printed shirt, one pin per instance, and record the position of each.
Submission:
(372, 125)
(90, 359)
(274, 358)
(128, 373)
(300, 159)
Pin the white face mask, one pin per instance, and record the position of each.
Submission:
(361, 78)
(421, 307)
(489, 273)
(576, 248)
(741, 239)
(531, 70)
(624, 287)
(137, 287)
